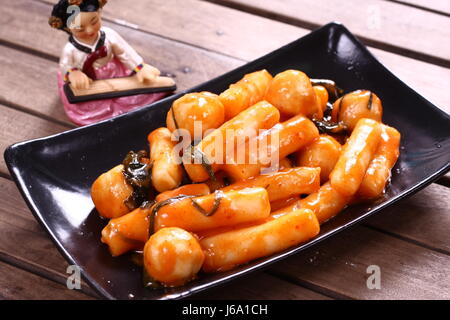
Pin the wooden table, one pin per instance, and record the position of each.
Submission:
(196, 41)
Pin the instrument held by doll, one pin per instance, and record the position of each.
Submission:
(100, 74)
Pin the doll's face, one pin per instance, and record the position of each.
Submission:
(86, 26)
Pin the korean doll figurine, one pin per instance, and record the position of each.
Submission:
(95, 53)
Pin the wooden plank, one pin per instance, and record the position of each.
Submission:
(442, 6)
(423, 218)
(238, 39)
(260, 286)
(20, 68)
(427, 83)
(188, 64)
(30, 82)
(18, 126)
(17, 284)
(24, 242)
(202, 24)
(340, 264)
(23, 236)
(381, 23)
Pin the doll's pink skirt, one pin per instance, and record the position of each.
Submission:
(93, 111)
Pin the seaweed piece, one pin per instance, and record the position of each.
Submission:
(330, 127)
(158, 206)
(328, 111)
(369, 102)
(218, 196)
(137, 174)
(196, 155)
(174, 119)
(333, 90)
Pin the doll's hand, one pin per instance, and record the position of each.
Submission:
(147, 73)
(79, 80)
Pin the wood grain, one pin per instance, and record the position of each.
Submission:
(260, 286)
(369, 20)
(233, 38)
(442, 6)
(340, 264)
(189, 64)
(30, 84)
(423, 218)
(19, 126)
(200, 67)
(24, 242)
(203, 25)
(17, 284)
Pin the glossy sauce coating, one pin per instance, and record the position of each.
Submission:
(285, 163)
(274, 144)
(195, 189)
(116, 241)
(173, 256)
(226, 250)
(262, 115)
(167, 172)
(292, 93)
(130, 231)
(204, 107)
(323, 152)
(355, 157)
(325, 203)
(235, 207)
(246, 92)
(379, 170)
(283, 184)
(283, 203)
(221, 181)
(109, 193)
(261, 212)
(357, 105)
(322, 97)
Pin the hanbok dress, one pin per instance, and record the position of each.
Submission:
(110, 57)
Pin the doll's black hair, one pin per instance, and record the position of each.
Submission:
(59, 17)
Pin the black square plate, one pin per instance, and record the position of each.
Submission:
(55, 173)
